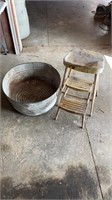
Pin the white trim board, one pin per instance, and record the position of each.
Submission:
(2, 6)
(14, 26)
(108, 60)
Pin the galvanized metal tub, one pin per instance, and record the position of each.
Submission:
(32, 88)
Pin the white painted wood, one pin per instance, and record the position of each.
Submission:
(2, 6)
(14, 26)
(108, 61)
(23, 21)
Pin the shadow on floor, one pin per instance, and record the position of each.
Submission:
(5, 104)
(77, 184)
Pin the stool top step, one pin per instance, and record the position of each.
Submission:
(78, 84)
(84, 61)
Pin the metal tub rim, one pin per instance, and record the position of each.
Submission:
(30, 65)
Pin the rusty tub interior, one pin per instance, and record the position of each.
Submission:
(32, 88)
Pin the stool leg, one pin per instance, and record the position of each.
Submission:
(83, 121)
(97, 87)
(69, 72)
(57, 113)
(94, 93)
(64, 77)
(61, 96)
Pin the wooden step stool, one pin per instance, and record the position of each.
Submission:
(81, 61)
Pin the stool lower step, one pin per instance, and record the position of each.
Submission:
(73, 105)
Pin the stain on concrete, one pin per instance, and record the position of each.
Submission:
(5, 104)
(105, 176)
(108, 195)
(4, 147)
(77, 183)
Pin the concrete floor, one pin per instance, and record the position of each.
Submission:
(66, 23)
(46, 159)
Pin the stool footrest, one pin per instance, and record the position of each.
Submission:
(73, 105)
